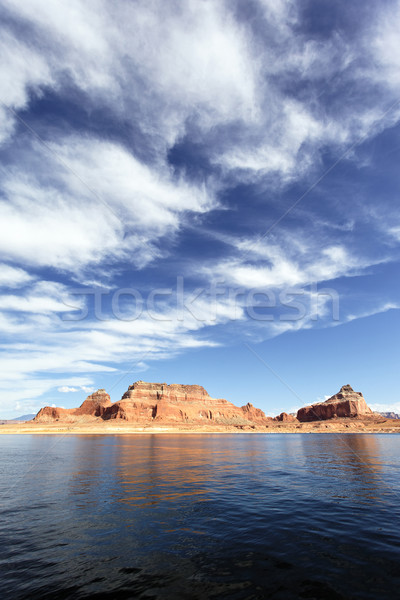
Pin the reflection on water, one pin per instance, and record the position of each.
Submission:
(200, 516)
(354, 459)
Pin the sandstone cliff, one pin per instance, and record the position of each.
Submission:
(94, 406)
(346, 403)
(149, 403)
(285, 418)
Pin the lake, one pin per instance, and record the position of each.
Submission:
(242, 516)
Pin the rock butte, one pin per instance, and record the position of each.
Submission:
(145, 403)
(346, 403)
(95, 405)
(155, 404)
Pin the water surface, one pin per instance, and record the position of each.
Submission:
(200, 516)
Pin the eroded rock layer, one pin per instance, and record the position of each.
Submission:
(285, 418)
(148, 402)
(95, 405)
(145, 403)
(346, 403)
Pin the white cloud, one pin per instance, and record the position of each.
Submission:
(212, 64)
(45, 351)
(22, 70)
(287, 145)
(291, 133)
(75, 29)
(31, 388)
(162, 71)
(288, 261)
(40, 226)
(385, 46)
(41, 298)
(209, 69)
(147, 199)
(13, 276)
(141, 366)
(386, 407)
(87, 389)
(205, 66)
(41, 343)
(394, 232)
(106, 204)
(67, 389)
(381, 308)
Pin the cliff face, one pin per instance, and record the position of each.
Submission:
(148, 402)
(161, 404)
(54, 413)
(94, 406)
(285, 418)
(346, 403)
(145, 403)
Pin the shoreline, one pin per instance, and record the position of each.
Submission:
(388, 426)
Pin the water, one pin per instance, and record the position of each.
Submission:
(200, 516)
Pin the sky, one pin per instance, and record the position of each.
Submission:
(199, 192)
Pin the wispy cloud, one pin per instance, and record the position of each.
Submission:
(67, 389)
(99, 203)
(376, 310)
(45, 350)
(13, 276)
(126, 131)
(290, 260)
(387, 407)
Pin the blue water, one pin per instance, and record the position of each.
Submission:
(200, 516)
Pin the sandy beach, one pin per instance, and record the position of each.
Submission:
(87, 427)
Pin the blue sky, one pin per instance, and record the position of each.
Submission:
(199, 192)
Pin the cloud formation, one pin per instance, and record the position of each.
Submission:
(84, 201)
(143, 141)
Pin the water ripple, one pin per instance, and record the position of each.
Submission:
(203, 516)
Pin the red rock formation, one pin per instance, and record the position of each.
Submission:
(52, 413)
(94, 406)
(346, 403)
(255, 414)
(158, 402)
(285, 418)
(150, 403)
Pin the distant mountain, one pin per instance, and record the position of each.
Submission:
(22, 418)
(389, 415)
(25, 418)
